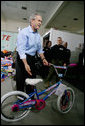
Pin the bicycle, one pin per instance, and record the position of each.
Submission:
(14, 109)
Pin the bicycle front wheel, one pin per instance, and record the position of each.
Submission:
(7, 101)
(66, 100)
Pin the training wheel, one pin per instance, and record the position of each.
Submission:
(66, 100)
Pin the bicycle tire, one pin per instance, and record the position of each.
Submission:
(4, 107)
(66, 107)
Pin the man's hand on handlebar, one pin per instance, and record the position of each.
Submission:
(45, 62)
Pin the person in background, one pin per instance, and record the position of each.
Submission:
(81, 57)
(59, 41)
(42, 69)
(47, 50)
(47, 54)
(67, 54)
(44, 42)
(28, 42)
(59, 58)
(57, 52)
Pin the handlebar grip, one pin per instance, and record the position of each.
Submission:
(60, 67)
(73, 64)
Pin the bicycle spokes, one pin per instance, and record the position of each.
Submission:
(65, 100)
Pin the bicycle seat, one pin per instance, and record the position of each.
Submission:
(32, 81)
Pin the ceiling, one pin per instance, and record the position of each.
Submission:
(13, 9)
(69, 17)
(56, 14)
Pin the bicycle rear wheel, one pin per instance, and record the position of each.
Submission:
(65, 101)
(7, 101)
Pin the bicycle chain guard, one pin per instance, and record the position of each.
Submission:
(40, 104)
(15, 108)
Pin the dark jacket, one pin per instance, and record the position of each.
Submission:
(60, 54)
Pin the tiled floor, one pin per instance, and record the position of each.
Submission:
(49, 115)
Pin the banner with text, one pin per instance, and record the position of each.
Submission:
(8, 40)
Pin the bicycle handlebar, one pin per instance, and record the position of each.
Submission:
(61, 67)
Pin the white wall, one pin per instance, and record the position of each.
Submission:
(11, 25)
(72, 39)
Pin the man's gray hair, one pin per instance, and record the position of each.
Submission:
(33, 16)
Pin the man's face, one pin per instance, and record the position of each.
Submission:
(59, 41)
(36, 23)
